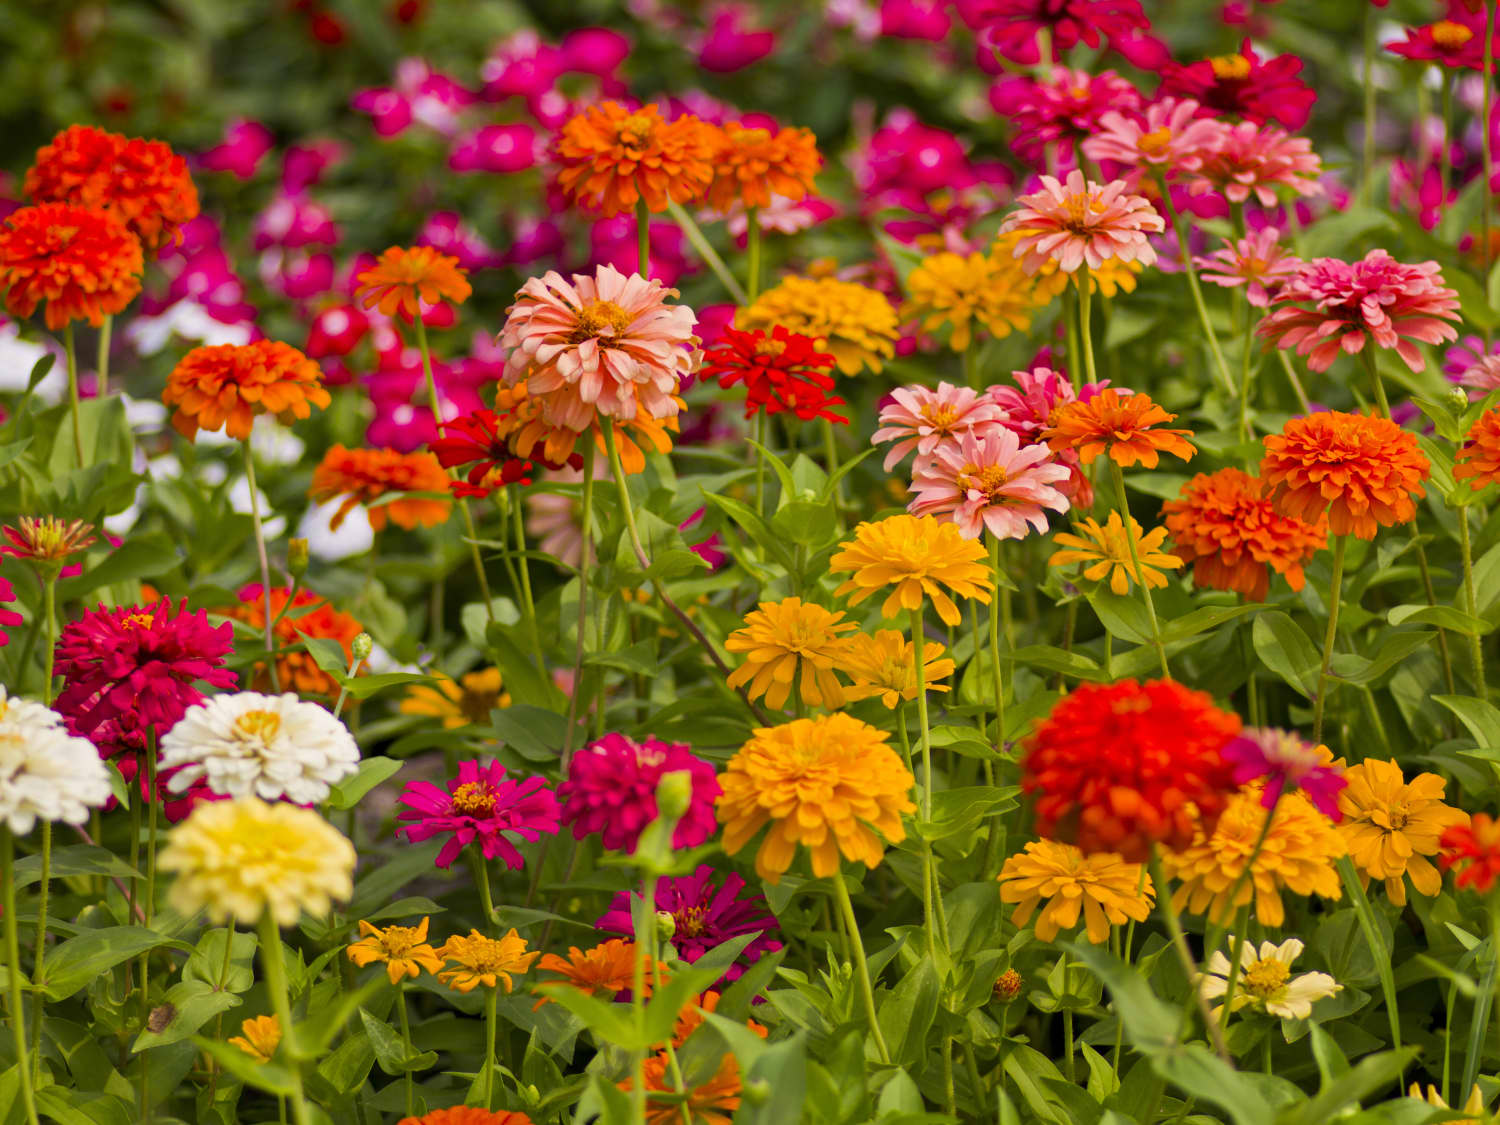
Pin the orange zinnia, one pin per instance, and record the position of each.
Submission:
(309, 617)
(229, 384)
(81, 260)
(1120, 425)
(143, 183)
(712, 1103)
(362, 476)
(1363, 469)
(612, 157)
(753, 164)
(1223, 524)
(402, 281)
(606, 969)
(1480, 456)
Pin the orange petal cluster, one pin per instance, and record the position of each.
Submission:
(1123, 426)
(310, 616)
(612, 157)
(1479, 460)
(82, 261)
(753, 164)
(363, 476)
(402, 281)
(227, 385)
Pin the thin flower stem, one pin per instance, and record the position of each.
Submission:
(274, 963)
(1471, 604)
(831, 457)
(1085, 329)
(103, 363)
(752, 246)
(1367, 165)
(1184, 954)
(13, 977)
(482, 881)
(1135, 565)
(643, 238)
(1291, 377)
(408, 1083)
(706, 251)
(1241, 921)
(265, 566)
(354, 664)
(1445, 158)
(1485, 145)
(214, 1069)
(490, 1004)
(528, 600)
(1180, 226)
(72, 356)
(583, 592)
(38, 976)
(999, 737)
(1335, 594)
(919, 642)
(1364, 911)
(861, 966)
(49, 610)
(761, 426)
(1245, 374)
(644, 919)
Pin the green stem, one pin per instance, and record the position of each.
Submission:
(643, 912)
(490, 1004)
(1484, 141)
(1471, 604)
(482, 881)
(919, 643)
(1246, 351)
(1180, 226)
(761, 426)
(831, 457)
(1431, 595)
(528, 601)
(752, 246)
(1135, 564)
(354, 664)
(643, 238)
(265, 566)
(999, 739)
(1335, 594)
(13, 961)
(861, 966)
(1085, 330)
(72, 356)
(1368, 164)
(706, 251)
(1367, 356)
(583, 596)
(408, 1083)
(103, 363)
(1291, 377)
(1445, 159)
(1184, 954)
(38, 975)
(223, 982)
(1365, 912)
(49, 610)
(1237, 951)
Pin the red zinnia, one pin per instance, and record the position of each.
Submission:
(82, 261)
(1010, 27)
(1243, 84)
(1121, 767)
(1473, 850)
(485, 440)
(1457, 41)
(783, 373)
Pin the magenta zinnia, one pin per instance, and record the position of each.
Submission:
(1284, 761)
(480, 805)
(990, 483)
(1259, 262)
(1011, 27)
(611, 789)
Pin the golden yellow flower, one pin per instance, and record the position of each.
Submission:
(855, 323)
(469, 699)
(1102, 886)
(990, 291)
(402, 949)
(1474, 1105)
(1391, 826)
(238, 859)
(1107, 552)
(830, 783)
(886, 665)
(781, 637)
(918, 555)
(484, 960)
(1298, 855)
(259, 1037)
(1111, 278)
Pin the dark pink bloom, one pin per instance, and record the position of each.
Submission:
(1259, 262)
(446, 231)
(730, 43)
(303, 166)
(1284, 761)
(418, 95)
(710, 550)
(9, 618)
(297, 274)
(1010, 28)
(398, 394)
(1244, 85)
(336, 331)
(1060, 111)
(521, 66)
(1419, 191)
(1467, 354)
(926, 20)
(240, 152)
(594, 50)
(480, 805)
(200, 270)
(611, 789)
(496, 148)
(294, 221)
(534, 240)
(613, 242)
(1455, 41)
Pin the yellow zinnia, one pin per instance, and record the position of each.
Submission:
(1474, 1105)
(781, 637)
(469, 699)
(918, 555)
(989, 291)
(1391, 826)
(886, 665)
(1106, 551)
(484, 960)
(830, 783)
(259, 1037)
(857, 324)
(402, 949)
(1107, 890)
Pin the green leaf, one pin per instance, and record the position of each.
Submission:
(1048, 658)
(1285, 649)
(349, 1064)
(1482, 718)
(521, 677)
(1199, 620)
(759, 531)
(272, 1077)
(476, 620)
(143, 555)
(390, 1052)
(783, 1068)
(1443, 616)
(1353, 668)
(78, 961)
(1150, 1025)
(194, 1003)
(1364, 1078)
(530, 731)
(74, 859)
(907, 1012)
(808, 522)
(1201, 1073)
(79, 1107)
(609, 1023)
(639, 659)
(1123, 617)
(372, 771)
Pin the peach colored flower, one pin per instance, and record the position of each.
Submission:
(920, 418)
(990, 482)
(1083, 222)
(1170, 136)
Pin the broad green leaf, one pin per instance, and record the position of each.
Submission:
(390, 1052)
(783, 1067)
(1482, 718)
(907, 1011)
(1443, 616)
(1286, 650)
(272, 1077)
(193, 1004)
(74, 859)
(1363, 1079)
(371, 772)
(79, 960)
(1150, 1025)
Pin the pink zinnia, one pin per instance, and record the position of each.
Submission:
(1457, 41)
(1170, 135)
(482, 805)
(1010, 27)
(1258, 262)
(919, 418)
(1256, 159)
(611, 789)
(1285, 761)
(1483, 377)
(1058, 111)
(990, 482)
(9, 619)
(1079, 222)
(1332, 306)
(1471, 364)
(1030, 408)
(608, 344)
(1244, 85)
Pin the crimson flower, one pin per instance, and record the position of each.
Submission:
(611, 789)
(1010, 27)
(8, 618)
(480, 805)
(477, 440)
(1457, 41)
(783, 373)
(1473, 850)
(1244, 84)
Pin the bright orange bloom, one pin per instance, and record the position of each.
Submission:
(1480, 456)
(227, 385)
(362, 476)
(81, 260)
(1363, 469)
(1122, 426)
(602, 971)
(691, 1018)
(1473, 850)
(144, 183)
(310, 616)
(402, 281)
(612, 157)
(468, 1115)
(712, 1103)
(752, 164)
(403, 950)
(1224, 525)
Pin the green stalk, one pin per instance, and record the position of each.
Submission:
(643, 238)
(919, 642)
(1135, 562)
(1180, 226)
(13, 961)
(1364, 911)
(999, 738)
(1471, 604)
(265, 567)
(752, 245)
(528, 601)
(408, 1083)
(103, 363)
(861, 966)
(72, 354)
(831, 457)
(274, 962)
(1335, 593)
(1291, 377)
(1367, 185)
(1184, 954)
(644, 917)
(1085, 331)
(1245, 375)
(706, 251)
(38, 977)
(489, 1047)
(583, 591)
(482, 881)
(1445, 161)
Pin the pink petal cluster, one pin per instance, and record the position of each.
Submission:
(1169, 135)
(1059, 111)
(611, 790)
(1251, 159)
(1010, 27)
(919, 418)
(480, 805)
(1284, 761)
(1244, 85)
(1081, 222)
(1032, 405)
(990, 482)
(1259, 262)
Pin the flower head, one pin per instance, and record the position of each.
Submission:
(403, 950)
(1393, 827)
(243, 858)
(1119, 767)
(486, 961)
(1457, 41)
(1258, 262)
(779, 639)
(468, 1115)
(919, 419)
(224, 386)
(1106, 550)
(1265, 980)
(710, 1103)
(1255, 160)
(469, 699)
(1102, 887)
(1080, 222)
(830, 783)
(259, 1037)
(693, 1016)
(47, 540)
(1478, 461)
(363, 476)
(752, 165)
(920, 557)
(481, 805)
(46, 773)
(857, 324)
(406, 283)
(990, 483)
(1125, 426)
(309, 616)
(1012, 27)
(9, 618)
(1282, 761)
(783, 372)
(605, 971)
(1363, 470)
(1474, 1105)
(610, 157)
(1244, 85)
(611, 790)
(81, 261)
(1169, 135)
(885, 665)
(503, 446)
(968, 291)
(1060, 108)
(1473, 851)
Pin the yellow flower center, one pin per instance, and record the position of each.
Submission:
(595, 317)
(988, 480)
(399, 941)
(770, 347)
(138, 620)
(690, 920)
(1234, 68)
(476, 705)
(1079, 93)
(473, 798)
(1081, 209)
(1155, 142)
(1449, 35)
(636, 129)
(939, 417)
(1265, 978)
(262, 725)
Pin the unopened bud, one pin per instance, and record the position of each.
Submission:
(362, 646)
(756, 1092)
(1008, 986)
(1458, 398)
(674, 793)
(666, 925)
(296, 558)
(531, 1097)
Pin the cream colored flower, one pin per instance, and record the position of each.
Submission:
(1265, 980)
(45, 772)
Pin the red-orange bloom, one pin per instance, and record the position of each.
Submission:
(81, 260)
(753, 164)
(1119, 767)
(1224, 525)
(362, 476)
(143, 183)
(229, 384)
(712, 1103)
(1122, 426)
(402, 281)
(602, 971)
(611, 158)
(1363, 469)
(1480, 456)
(310, 616)
(1473, 850)
(468, 1115)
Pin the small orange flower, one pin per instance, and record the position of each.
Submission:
(362, 476)
(612, 157)
(1122, 426)
(310, 616)
(468, 1115)
(753, 164)
(1480, 456)
(483, 960)
(712, 1103)
(81, 260)
(227, 385)
(691, 1018)
(403, 950)
(260, 1037)
(1363, 469)
(403, 281)
(602, 971)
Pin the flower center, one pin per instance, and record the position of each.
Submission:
(770, 348)
(989, 480)
(138, 620)
(598, 316)
(1233, 68)
(473, 798)
(1155, 142)
(1265, 978)
(1081, 209)
(1449, 35)
(691, 920)
(940, 418)
(477, 705)
(636, 129)
(261, 725)
(400, 940)
(1398, 814)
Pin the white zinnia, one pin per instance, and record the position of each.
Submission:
(1265, 980)
(45, 772)
(269, 746)
(27, 712)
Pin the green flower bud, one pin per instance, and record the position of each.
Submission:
(296, 558)
(674, 793)
(362, 647)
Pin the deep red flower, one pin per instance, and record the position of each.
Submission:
(486, 442)
(1457, 41)
(1010, 27)
(1245, 85)
(783, 373)
(1473, 851)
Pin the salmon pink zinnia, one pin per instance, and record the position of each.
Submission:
(1259, 262)
(990, 483)
(1169, 135)
(1083, 222)
(920, 418)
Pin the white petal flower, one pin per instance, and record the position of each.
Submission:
(1265, 980)
(269, 746)
(45, 772)
(27, 713)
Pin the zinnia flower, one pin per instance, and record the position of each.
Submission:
(752, 165)
(1330, 307)
(458, 703)
(1244, 85)
(406, 283)
(783, 372)
(918, 418)
(1474, 1105)
(45, 772)
(966, 291)
(273, 746)
(48, 540)
(480, 805)
(919, 557)
(239, 859)
(1473, 851)
(990, 483)
(1363, 470)
(1255, 160)
(830, 783)
(604, 971)
(224, 386)
(857, 324)
(309, 616)
(1454, 42)
(611, 790)
(1060, 107)
(885, 665)
(1119, 767)
(1265, 980)
(710, 1103)
(1011, 27)
(363, 476)
(1281, 761)
(611, 157)
(1225, 525)
(1258, 262)
(1125, 426)
(468, 1115)
(403, 950)
(1169, 135)
(486, 961)
(503, 446)
(1392, 826)
(779, 639)
(1106, 550)
(1478, 460)
(259, 1037)
(9, 618)
(1105, 889)
(81, 260)
(1081, 222)
(693, 1016)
